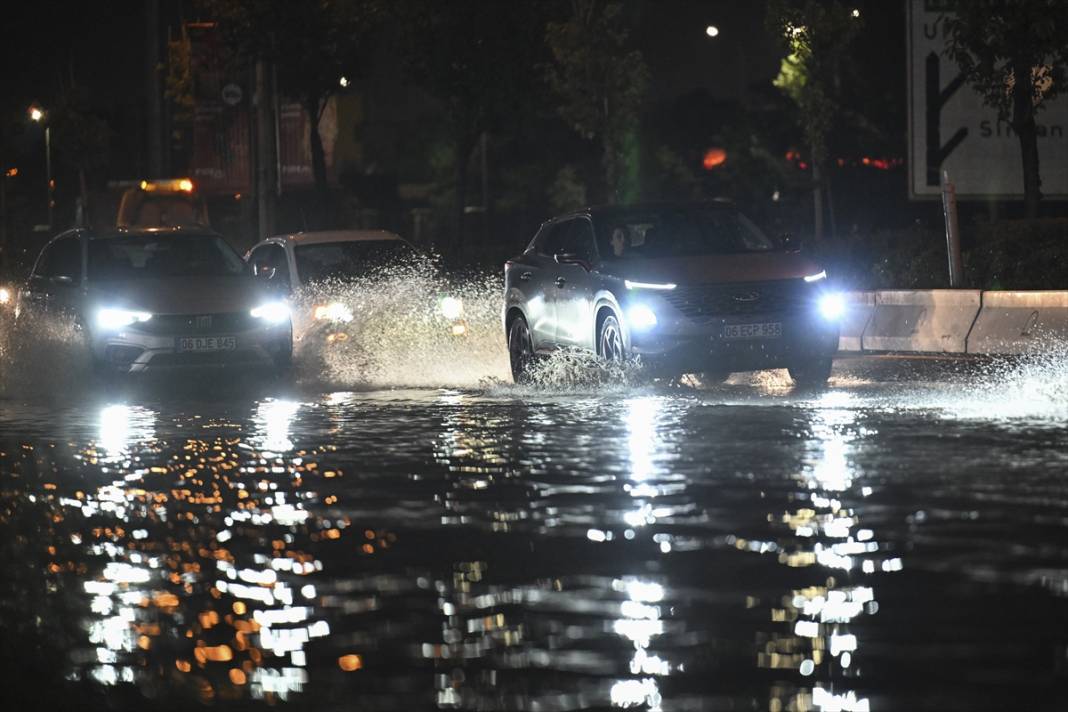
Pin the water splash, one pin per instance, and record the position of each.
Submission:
(578, 369)
(398, 335)
(42, 356)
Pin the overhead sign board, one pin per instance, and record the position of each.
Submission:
(951, 128)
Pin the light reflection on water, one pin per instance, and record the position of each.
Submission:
(391, 550)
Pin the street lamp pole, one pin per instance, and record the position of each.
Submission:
(37, 115)
(48, 170)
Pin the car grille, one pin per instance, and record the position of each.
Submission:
(706, 301)
(196, 324)
(214, 358)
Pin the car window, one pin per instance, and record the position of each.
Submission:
(272, 257)
(160, 256)
(574, 237)
(679, 232)
(163, 210)
(351, 260)
(63, 258)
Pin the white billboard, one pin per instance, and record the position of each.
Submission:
(950, 127)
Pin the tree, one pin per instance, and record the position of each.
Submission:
(81, 139)
(478, 59)
(601, 85)
(311, 44)
(816, 35)
(997, 42)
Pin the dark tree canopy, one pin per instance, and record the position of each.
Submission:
(311, 44)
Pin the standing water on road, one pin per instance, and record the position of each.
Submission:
(895, 542)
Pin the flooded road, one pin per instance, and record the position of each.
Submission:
(897, 542)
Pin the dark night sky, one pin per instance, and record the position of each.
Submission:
(102, 45)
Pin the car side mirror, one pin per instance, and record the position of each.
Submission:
(790, 243)
(263, 270)
(570, 258)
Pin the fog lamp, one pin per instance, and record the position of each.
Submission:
(641, 317)
(832, 306)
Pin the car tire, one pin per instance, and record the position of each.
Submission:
(610, 340)
(521, 355)
(813, 373)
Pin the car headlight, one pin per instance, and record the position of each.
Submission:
(334, 311)
(272, 312)
(832, 306)
(118, 318)
(816, 277)
(451, 307)
(5, 296)
(649, 285)
(641, 317)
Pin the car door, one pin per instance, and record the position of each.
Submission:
(55, 285)
(530, 282)
(574, 254)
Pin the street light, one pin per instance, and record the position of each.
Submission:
(711, 30)
(37, 115)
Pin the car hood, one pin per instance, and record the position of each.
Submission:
(748, 267)
(185, 295)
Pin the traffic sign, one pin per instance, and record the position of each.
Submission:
(950, 128)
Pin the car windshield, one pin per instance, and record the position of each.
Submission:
(350, 260)
(155, 256)
(163, 211)
(679, 232)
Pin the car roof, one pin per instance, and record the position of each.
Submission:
(152, 232)
(326, 236)
(595, 211)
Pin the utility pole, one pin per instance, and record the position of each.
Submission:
(266, 144)
(949, 208)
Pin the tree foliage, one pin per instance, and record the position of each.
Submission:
(996, 42)
(477, 58)
(601, 85)
(311, 44)
(816, 35)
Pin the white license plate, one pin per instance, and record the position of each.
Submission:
(767, 330)
(200, 344)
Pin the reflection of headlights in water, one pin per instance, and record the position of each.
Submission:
(334, 311)
(640, 316)
(121, 425)
(452, 307)
(118, 318)
(274, 419)
(832, 306)
(272, 312)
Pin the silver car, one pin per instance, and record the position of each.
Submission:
(687, 287)
(297, 265)
(157, 299)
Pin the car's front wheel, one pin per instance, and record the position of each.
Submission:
(812, 373)
(520, 350)
(610, 340)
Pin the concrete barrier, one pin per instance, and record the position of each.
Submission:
(859, 306)
(1019, 322)
(922, 321)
